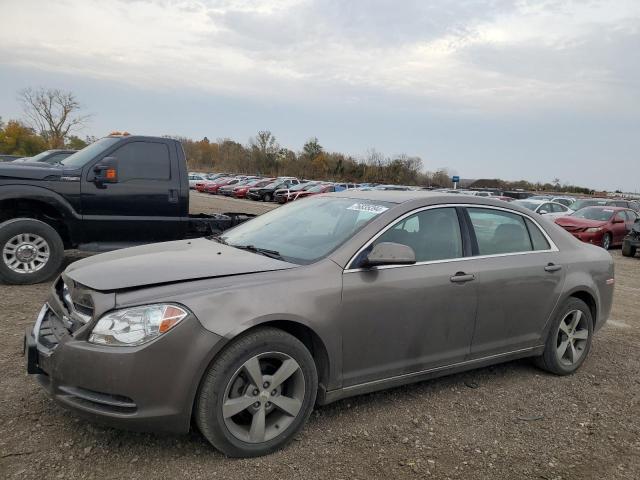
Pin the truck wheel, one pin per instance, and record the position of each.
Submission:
(569, 339)
(32, 251)
(257, 394)
(628, 250)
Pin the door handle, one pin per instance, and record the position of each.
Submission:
(552, 267)
(173, 195)
(461, 277)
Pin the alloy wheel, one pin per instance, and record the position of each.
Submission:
(26, 253)
(263, 397)
(573, 335)
(606, 241)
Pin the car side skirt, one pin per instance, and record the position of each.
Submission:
(325, 397)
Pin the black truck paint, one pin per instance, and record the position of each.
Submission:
(118, 192)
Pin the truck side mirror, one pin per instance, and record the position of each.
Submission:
(106, 170)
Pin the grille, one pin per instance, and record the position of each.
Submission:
(77, 304)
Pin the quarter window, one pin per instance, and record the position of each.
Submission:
(499, 232)
(433, 234)
(143, 160)
(538, 240)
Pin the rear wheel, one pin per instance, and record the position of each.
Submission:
(628, 250)
(268, 197)
(569, 339)
(258, 394)
(606, 241)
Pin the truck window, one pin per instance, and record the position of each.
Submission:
(143, 160)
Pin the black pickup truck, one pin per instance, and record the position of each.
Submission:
(120, 191)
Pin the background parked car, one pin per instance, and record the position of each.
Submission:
(240, 191)
(194, 179)
(267, 192)
(285, 195)
(227, 190)
(9, 158)
(603, 226)
(631, 243)
(51, 157)
(316, 190)
(221, 182)
(564, 200)
(545, 207)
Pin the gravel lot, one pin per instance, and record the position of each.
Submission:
(509, 421)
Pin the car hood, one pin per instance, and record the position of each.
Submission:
(168, 262)
(31, 171)
(578, 222)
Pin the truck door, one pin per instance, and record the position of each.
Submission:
(143, 205)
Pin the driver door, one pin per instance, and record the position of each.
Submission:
(400, 320)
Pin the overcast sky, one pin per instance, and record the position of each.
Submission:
(533, 89)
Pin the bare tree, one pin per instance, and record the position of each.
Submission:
(53, 113)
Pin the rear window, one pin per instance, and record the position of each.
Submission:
(499, 232)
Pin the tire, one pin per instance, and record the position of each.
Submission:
(268, 197)
(628, 250)
(228, 380)
(606, 241)
(21, 237)
(551, 360)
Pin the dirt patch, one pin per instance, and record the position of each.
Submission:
(508, 421)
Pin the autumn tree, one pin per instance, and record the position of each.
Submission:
(19, 139)
(53, 113)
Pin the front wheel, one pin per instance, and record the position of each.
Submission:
(267, 197)
(569, 339)
(606, 241)
(32, 251)
(258, 394)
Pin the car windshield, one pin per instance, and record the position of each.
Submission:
(316, 188)
(88, 153)
(38, 157)
(305, 232)
(526, 204)
(594, 213)
(587, 202)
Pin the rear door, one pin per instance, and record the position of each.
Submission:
(520, 280)
(144, 204)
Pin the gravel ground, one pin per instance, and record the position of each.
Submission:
(508, 421)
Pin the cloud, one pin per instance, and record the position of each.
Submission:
(477, 56)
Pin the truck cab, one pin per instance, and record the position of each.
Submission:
(120, 191)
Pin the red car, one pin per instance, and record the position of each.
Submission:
(602, 226)
(213, 187)
(322, 188)
(241, 191)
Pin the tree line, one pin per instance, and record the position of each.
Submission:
(53, 118)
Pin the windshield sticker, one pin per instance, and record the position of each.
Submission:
(367, 207)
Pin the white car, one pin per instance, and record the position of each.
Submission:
(545, 207)
(194, 178)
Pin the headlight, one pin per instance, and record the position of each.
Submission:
(593, 229)
(137, 325)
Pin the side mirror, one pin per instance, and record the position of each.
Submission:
(106, 170)
(542, 212)
(617, 220)
(389, 253)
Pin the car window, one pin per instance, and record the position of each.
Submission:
(557, 208)
(538, 240)
(433, 234)
(621, 204)
(621, 216)
(499, 232)
(143, 160)
(633, 216)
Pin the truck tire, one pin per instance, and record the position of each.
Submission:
(258, 393)
(31, 251)
(628, 250)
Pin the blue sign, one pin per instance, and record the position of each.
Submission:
(455, 179)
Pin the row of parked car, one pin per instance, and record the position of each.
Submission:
(266, 189)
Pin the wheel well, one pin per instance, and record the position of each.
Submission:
(311, 340)
(587, 298)
(25, 208)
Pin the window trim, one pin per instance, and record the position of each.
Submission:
(552, 246)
